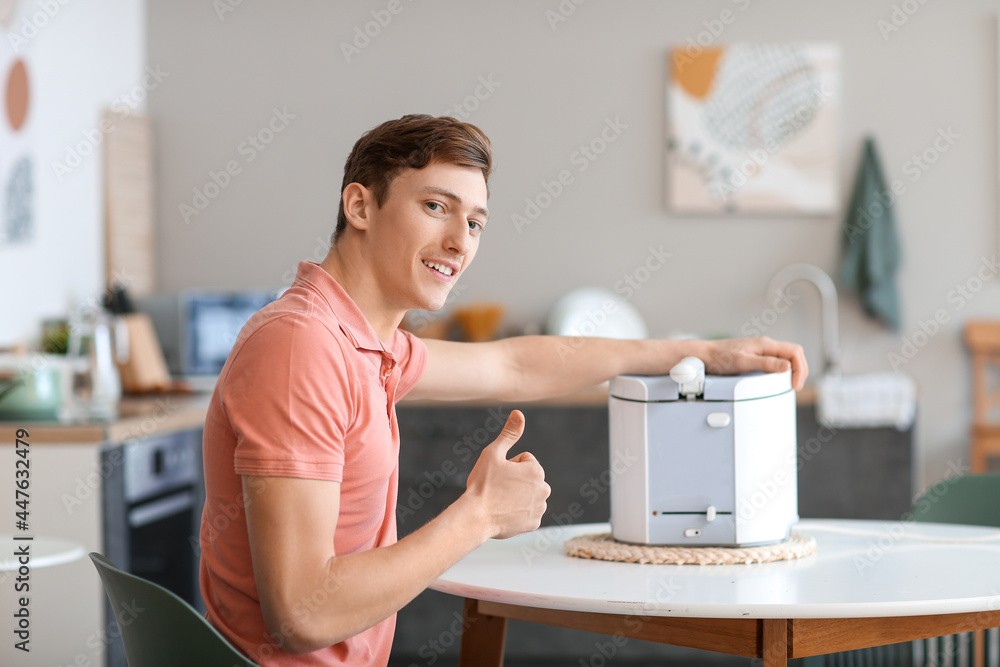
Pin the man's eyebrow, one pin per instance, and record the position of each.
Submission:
(432, 189)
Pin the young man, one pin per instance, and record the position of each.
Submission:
(300, 563)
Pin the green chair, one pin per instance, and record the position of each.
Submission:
(972, 500)
(158, 628)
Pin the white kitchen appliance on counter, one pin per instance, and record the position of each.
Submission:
(702, 460)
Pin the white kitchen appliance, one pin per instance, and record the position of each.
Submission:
(702, 460)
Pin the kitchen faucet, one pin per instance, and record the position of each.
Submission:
(828, 296)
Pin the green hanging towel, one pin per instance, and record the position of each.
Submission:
(871, 251)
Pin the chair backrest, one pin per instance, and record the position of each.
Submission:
(160, 629)
(967, 499)
(983, 340)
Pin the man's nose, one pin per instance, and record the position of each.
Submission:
(458, 239)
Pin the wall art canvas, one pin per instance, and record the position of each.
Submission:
(752, 128)
(17, 169)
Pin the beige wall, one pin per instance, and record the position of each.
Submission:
(552, 88)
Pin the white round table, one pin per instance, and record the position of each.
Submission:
(42, 552)
(869, 583)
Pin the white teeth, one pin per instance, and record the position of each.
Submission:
(446, 270)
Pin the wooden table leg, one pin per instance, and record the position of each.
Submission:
(775, 642)
(978, 648)
(482, 638)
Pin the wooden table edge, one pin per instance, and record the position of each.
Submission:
(774, 640)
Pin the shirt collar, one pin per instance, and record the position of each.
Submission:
(352, 321)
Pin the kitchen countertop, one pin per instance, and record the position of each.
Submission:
(145, 416)
(138, 417)
(596, 396)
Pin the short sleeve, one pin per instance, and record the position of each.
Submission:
(410, 354)
(288, 394)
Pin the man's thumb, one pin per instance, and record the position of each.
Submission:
(511, 432)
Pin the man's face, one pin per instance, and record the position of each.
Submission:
(427, 233)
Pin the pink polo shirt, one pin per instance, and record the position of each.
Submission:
(309, 392)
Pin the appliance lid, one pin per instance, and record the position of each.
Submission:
(657, 388)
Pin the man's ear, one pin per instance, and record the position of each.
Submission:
(358, 203)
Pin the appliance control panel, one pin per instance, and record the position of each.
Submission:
(156, 465)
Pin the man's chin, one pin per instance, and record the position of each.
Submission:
(438, 301)
(434, 306)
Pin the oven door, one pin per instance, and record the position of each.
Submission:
(153, 498)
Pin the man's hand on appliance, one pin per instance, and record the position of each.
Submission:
(741, 355)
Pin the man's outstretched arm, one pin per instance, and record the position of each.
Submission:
(311, 597)
(531, 367)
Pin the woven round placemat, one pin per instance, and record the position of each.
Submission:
(601, 546)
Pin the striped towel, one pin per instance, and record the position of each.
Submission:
(865, 401)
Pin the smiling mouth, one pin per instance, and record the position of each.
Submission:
(440, 268)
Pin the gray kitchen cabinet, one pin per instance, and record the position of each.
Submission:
(864, 474)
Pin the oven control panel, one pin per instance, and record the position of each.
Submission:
(156, 465)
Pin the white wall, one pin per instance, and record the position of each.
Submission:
(81, 56)
(555, 88)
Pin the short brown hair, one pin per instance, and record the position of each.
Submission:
(411, 142)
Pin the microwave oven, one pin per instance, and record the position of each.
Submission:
(197, 329)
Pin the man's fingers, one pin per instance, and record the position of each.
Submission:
(510, 434)
(523, 457)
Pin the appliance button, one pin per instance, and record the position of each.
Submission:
(719, 419)
(692, 532)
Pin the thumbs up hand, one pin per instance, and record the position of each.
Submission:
(511, 492)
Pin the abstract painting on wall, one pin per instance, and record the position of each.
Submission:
(17, 189)
(752, 128)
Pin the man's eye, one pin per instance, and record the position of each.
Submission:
(433, 206)
(475, 225)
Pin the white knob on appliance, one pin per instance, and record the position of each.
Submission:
(710, 514)
(718, 419)
(689, 374)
